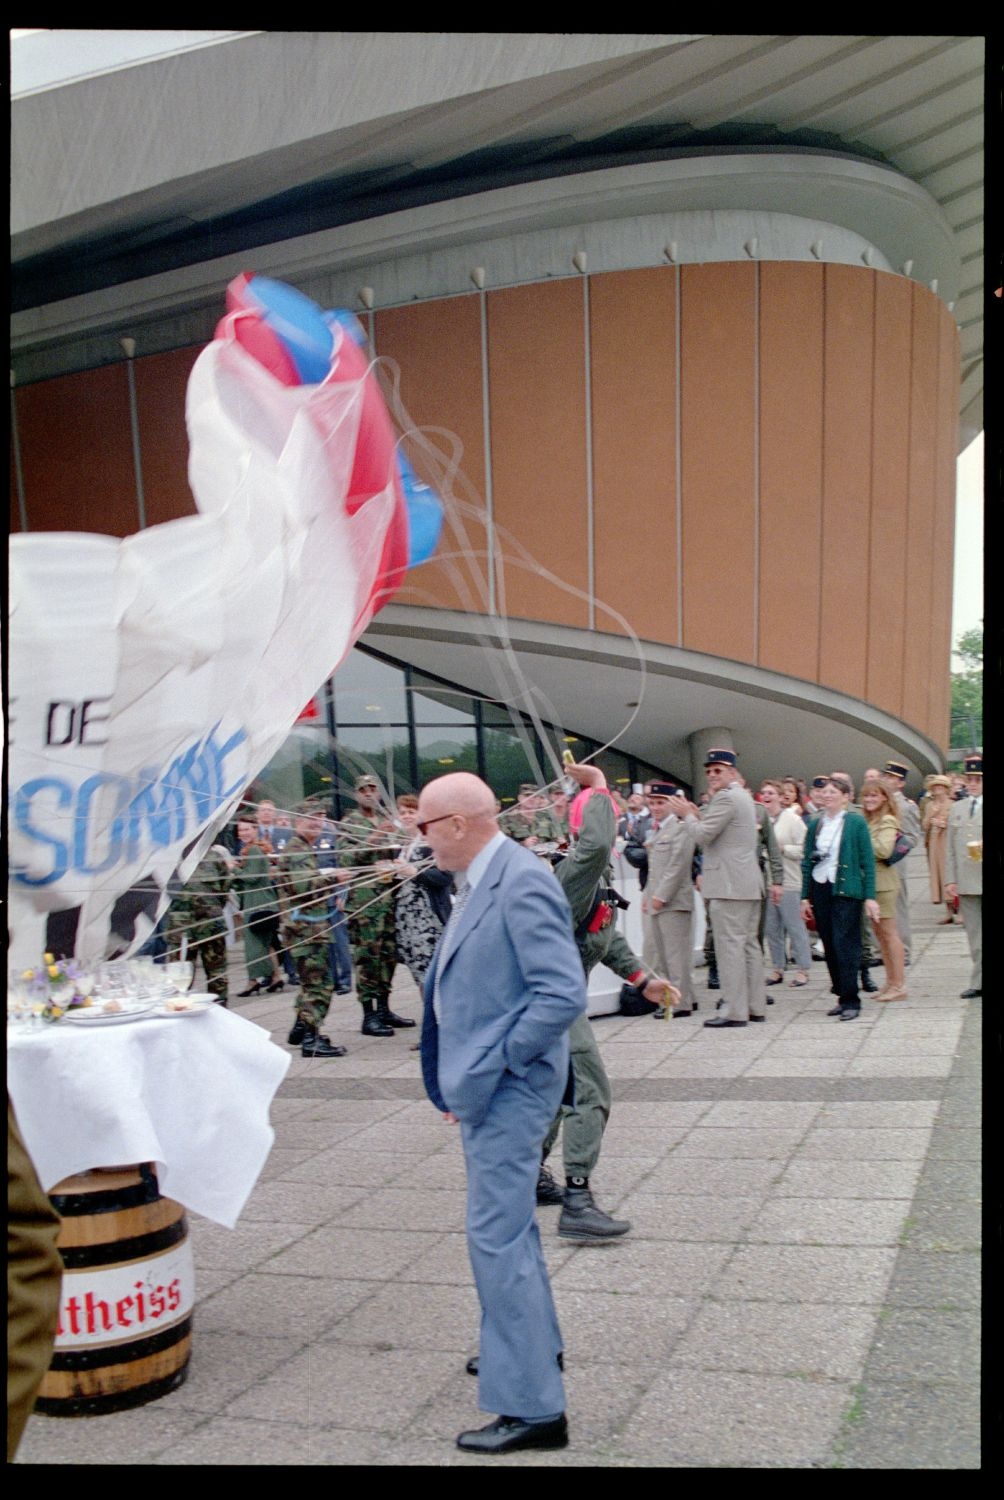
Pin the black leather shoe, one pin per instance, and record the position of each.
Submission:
(971, 995)
(298, 1033)
(315, 1045)
(373, 1026)
(507, 1434)
(723, 1021)
(835, 1011)
(849, 1012)
(254, 988)
(387, 1016)
(867, 983)
(548, 1191)
(677, 1010)
(757, 1018)
(769, 999)
(473, 1365)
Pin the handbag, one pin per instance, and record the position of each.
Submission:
(633, 1002)
(900, 850)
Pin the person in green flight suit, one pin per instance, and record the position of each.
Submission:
(584, 877)
(197, 913)
(303, 891)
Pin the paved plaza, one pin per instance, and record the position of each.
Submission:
(801, 1288)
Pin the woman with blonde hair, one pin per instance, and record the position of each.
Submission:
(937, 806)
(883, 825)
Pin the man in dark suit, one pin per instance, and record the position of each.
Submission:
(503, 988)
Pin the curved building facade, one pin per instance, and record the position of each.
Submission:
(705, 409)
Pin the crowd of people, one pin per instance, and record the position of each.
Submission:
(785, 866)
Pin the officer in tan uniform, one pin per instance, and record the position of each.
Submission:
(726, 829)
(964, 866)
(668, 903)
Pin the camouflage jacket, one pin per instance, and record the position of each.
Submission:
(200, 901)
(303, 889)
(355, 852)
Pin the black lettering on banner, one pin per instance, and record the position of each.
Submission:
(67, 722)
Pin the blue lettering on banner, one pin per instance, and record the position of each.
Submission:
(154, 808)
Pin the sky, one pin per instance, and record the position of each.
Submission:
(967, 593)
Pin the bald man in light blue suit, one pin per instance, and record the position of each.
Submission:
(503, 988)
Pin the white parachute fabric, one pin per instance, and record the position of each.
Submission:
(152, 678)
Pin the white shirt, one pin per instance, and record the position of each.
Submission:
(828, 835)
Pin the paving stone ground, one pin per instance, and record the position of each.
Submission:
(801, 1287)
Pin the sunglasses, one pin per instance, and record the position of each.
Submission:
(424, 827)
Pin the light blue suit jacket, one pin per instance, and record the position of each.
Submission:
(510, 987)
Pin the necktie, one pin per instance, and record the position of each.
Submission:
(972, 808)
(446, 941)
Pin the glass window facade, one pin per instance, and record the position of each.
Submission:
(382, 717)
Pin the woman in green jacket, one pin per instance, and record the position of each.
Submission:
(838, 875)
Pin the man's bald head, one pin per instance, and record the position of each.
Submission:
(458, 812)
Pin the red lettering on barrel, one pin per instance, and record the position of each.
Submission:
(140, 1305)
(174, 1295)
(91, 1306)
(157, 1302)
(123, 1302)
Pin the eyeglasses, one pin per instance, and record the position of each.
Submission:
(424, 827)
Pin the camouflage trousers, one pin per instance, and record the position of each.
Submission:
(212, 951)
(310, 955)
(374, 954)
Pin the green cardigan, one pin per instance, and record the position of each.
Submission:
(855, 860)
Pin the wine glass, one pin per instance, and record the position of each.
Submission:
(180, 974)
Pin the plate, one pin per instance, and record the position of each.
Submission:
(93, 1015)
(200, 1004)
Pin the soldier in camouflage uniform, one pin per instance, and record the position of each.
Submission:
(197, 913)
(304, 888)
(369, 840)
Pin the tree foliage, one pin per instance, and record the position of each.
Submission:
(967, 692)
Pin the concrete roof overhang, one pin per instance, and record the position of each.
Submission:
(258, 139)
(652, 697)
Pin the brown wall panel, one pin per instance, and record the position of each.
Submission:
(943, 547)
(847, 431)
(718, 386)
(15, 508)
(161, 383)
(76, 453)
(536, 378)
(791, 466)
(918, 668)
(437, 346)
(890, 451)
(632, 328)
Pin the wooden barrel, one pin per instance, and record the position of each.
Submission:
(125, 1314)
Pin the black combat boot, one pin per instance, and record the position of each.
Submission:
(316, 1045)
(387, 1016)
(372, 1024)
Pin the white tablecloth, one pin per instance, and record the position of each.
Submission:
(190, 1093)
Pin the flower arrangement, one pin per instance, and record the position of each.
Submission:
(53, 987)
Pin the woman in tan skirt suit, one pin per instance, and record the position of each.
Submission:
(937, 806)
(883, 825)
